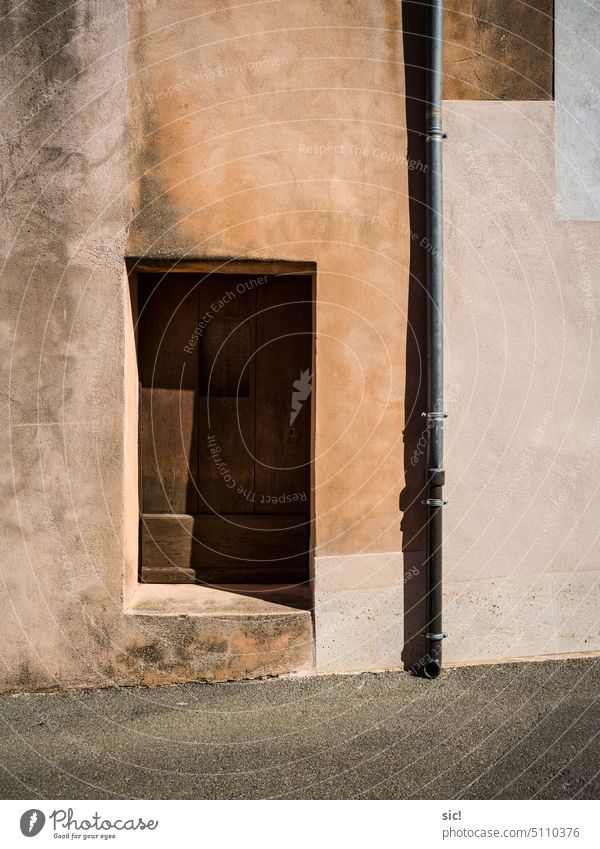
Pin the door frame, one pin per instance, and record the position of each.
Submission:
(209, 267)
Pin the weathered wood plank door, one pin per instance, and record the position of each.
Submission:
(225, 365)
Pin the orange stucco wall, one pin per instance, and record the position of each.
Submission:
(279, 131)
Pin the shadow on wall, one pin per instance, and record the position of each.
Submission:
(415, 430)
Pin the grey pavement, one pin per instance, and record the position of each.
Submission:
(521, 731)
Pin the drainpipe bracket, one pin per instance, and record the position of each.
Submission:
(434, 134)
(435, 415)
(436, 637)
(435, 502)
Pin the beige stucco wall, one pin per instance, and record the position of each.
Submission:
(62, 240)
(279, 131)
(523, 389)
(69, 514)
(522, 541)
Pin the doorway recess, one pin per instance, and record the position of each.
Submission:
(225, 355)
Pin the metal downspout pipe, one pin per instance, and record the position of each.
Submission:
(435, 415)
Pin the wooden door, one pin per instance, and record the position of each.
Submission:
(225, 366)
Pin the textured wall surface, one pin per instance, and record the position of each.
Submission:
(259, 130)
(280, 131)
(69, 518)
(522, 305)
(498, 49)
(269, 132)
(578, 109)
(62, 240)
(522, 543)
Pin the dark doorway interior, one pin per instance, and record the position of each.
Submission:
(225, 365)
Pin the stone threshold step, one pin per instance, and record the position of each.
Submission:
(231, 600)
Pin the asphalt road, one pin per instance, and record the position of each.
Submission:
(516, 731)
